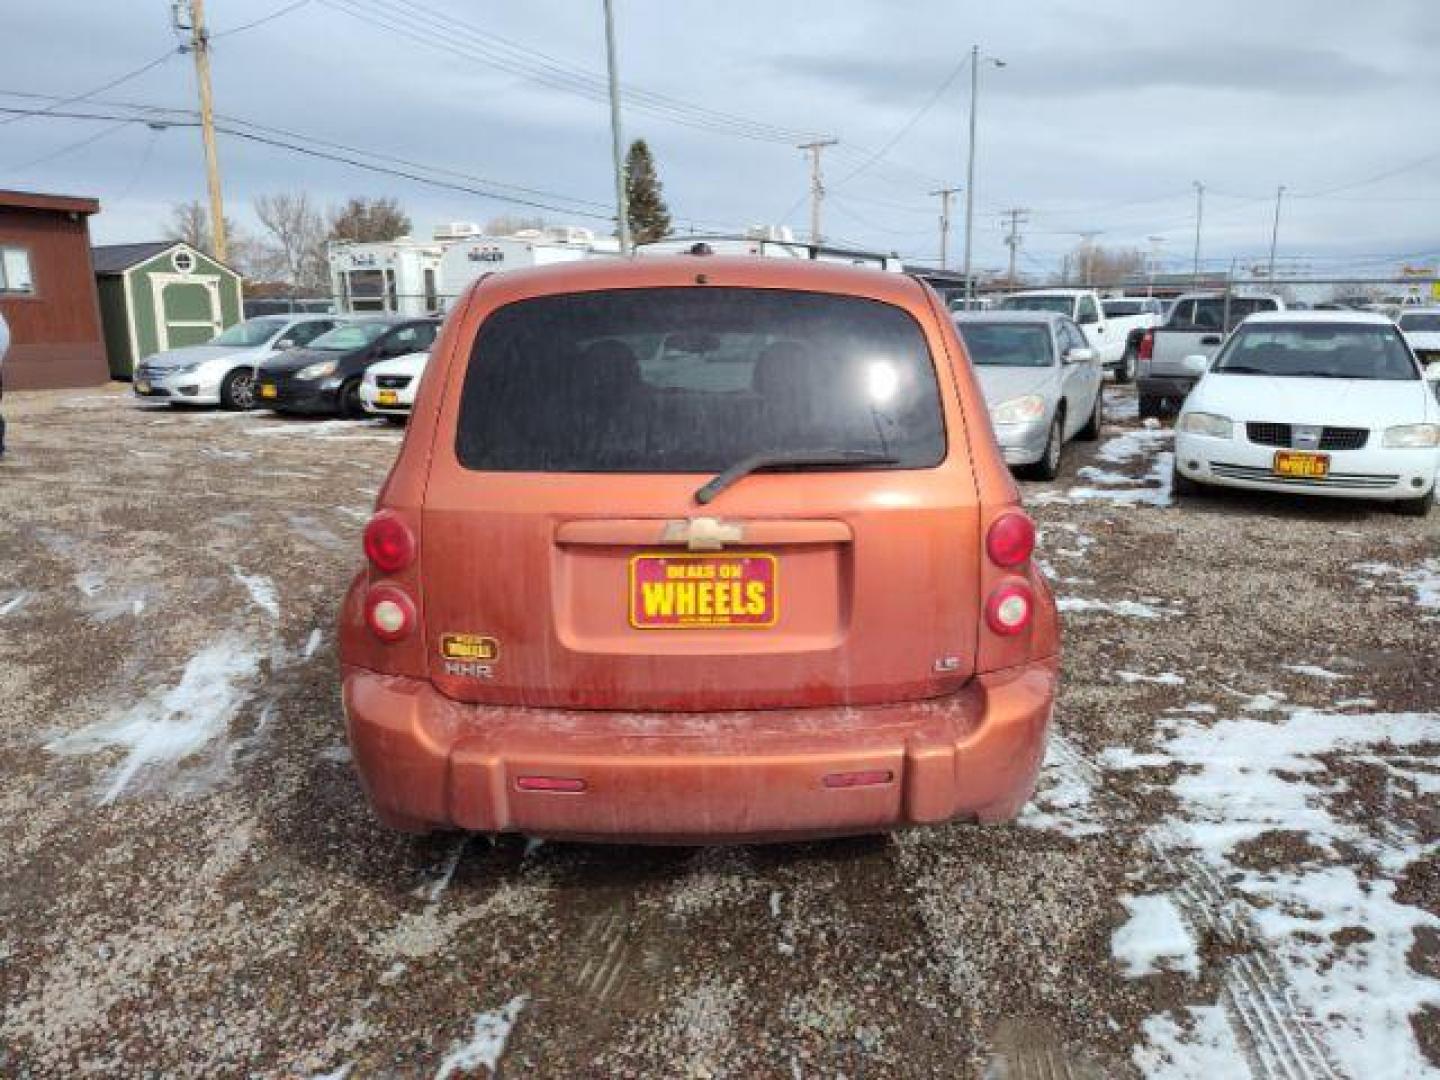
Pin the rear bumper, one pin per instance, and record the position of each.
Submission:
(1175, 387)
(428, 761)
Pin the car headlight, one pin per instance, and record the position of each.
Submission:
(1413, 435)
(1020, 410)
(1204, 423)
(316, 371)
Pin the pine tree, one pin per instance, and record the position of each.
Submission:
(649, 216)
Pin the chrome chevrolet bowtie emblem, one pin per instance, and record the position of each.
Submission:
(702, 533)
(1305, 437)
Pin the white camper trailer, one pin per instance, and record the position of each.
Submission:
(393, 277)
(467, 259)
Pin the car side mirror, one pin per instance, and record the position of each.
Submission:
(1432, 371)
(1080, 356)
(1195, 365)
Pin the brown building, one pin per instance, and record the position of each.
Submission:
(47, 292)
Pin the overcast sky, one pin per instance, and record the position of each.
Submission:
(1103, 117)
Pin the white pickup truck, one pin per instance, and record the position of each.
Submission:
(1129, 317)
(1197, 326)
(1087, 310)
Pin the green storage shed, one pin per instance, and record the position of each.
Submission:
(161, 295)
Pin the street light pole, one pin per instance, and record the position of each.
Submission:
(1275, 229)
(945, 195)
(1199, 217)
(622, 209)
(970, 164)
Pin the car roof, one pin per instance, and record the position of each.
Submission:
(721, 271)
(1045, 317)
(1346, 318)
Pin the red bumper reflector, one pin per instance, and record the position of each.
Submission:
(863, 778)
(572, 784)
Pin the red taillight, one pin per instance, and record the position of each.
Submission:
(389, 543)
(1010, 608)
(1147, 345)
(389, 613)
(1011, 539)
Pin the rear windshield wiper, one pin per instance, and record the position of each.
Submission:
(787, 459)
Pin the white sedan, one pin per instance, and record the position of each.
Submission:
(388, 388)
(1323, 402)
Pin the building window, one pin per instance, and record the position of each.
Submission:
(15, 276)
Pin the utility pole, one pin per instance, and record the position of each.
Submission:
(817, 184)
(1199, 217)
(200, 46)
(1154, 261)
(622, 208)
(1017, 218)
(1275, 229)
(970, 163)
(945, 194)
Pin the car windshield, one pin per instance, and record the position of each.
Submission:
(1317, 351)
(1217, 312)
(687, 380)
(1114, 309)
(1061, 305)
(353, 336)
(250, 333)
(1424, 322)
(1002, 345)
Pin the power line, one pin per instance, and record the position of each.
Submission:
(905, 128)
(135, 74)
(278, 13)
(68, 148)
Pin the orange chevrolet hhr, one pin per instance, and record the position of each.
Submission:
(698, 549)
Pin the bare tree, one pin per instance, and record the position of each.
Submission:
(362, 220)
(1092, 264)
(190, 222)
(510, 224)
(297, 237)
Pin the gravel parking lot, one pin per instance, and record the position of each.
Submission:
(1231, 867)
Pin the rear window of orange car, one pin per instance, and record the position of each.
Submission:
(679, 380)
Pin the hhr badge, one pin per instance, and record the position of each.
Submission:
(469, 656)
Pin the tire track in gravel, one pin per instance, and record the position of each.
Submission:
(1280, 1037)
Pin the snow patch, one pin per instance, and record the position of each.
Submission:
(1202, 1047)
(1422, 580)
(1165, 678)
(488, 1035)
(1129, 609)
(1063, 800)
(261, 590)
(1313, 671)
(313, 643)
(174, 725)
(15, 603)
(1154, 939)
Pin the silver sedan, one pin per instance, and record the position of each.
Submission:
(1042, 383)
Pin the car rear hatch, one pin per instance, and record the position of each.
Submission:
(568, 562)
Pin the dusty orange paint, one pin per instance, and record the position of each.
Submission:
(878, 660)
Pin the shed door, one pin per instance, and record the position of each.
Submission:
(187, 308)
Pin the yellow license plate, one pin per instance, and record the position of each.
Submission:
(142, 387)
(1302, 465)
(683, 592)
(269, 390)
(387, 397)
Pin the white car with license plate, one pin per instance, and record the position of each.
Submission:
(388, 388)
(1322, 402)
(1042, 382)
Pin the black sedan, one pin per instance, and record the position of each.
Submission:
(324, 377)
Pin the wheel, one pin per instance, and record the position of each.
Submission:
(1181, 485)
(1091, 431)
(1125, 370)
(1416, 507)
(1048, 467)
(237, 392)
(351, 407)
(1150, 406)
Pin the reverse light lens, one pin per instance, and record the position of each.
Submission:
(1414, 436)
(1011, 539)
(1009, 609)
(389, 543)
(1019, 410)
(389, 613)
(1204, 423)
(316, 371)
